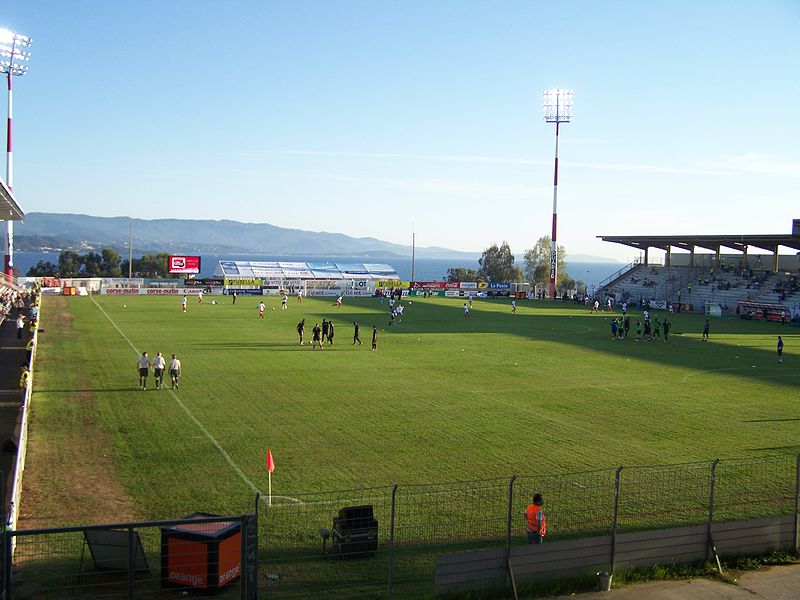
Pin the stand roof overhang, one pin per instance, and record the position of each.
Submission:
(9, 209)
(709, 242)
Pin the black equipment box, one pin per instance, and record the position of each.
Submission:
(355, 532)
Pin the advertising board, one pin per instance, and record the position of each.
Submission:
(184, 264)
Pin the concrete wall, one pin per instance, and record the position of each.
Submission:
(459, 572)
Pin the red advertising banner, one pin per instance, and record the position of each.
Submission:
(184, 264)
(430, 285)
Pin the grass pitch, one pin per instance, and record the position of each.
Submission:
(443, 398)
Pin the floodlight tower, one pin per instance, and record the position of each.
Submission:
(14, 55)
(557, 109)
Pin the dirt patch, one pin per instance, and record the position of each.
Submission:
(69, 472)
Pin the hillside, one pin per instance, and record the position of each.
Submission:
(46, 232)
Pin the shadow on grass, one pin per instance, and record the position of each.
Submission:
(572, 324)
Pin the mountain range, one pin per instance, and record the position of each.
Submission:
(53, 232)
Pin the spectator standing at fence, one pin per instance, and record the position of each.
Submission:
(536, 522)
(143, 364)
(20, 325)
(174, 371)
(301, 329)
(356, 339)
(24, 377)
(706, 329)
(29, 348)
(780, 349)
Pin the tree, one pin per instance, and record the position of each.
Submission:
(43, 269)
(462, 274)
(92, 265)
(110, 264)
(152, 265)
(69, 263)
(537, 262)
(497, 264)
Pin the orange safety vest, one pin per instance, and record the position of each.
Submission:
(533, 524)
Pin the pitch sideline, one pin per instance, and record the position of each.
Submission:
(194, 419)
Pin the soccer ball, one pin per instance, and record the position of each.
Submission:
(124, 306)
(273, 308)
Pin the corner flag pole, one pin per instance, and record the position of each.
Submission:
(270, 469)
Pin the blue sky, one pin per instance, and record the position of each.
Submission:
(368, 118)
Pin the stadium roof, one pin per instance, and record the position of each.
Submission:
(241, 269)
(9, 209)
(709, 242)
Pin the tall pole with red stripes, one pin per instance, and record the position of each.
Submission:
(14, 55)
(557, 109)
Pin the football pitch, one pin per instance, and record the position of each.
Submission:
(444, 398)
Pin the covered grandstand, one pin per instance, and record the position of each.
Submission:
(280, 272)
(734, 283)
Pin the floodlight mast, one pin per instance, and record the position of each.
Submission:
(557, 109)
(13, 56)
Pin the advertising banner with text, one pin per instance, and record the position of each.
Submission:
(184, 264)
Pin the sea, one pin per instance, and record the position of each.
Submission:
(425, 269)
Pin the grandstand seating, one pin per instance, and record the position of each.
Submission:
(698, 286)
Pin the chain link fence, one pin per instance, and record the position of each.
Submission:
(384, 541)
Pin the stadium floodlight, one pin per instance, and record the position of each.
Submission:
(557, 109)
(14, 55)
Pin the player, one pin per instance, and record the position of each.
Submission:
(301, 329)
(667, 325)
(200, 297)
(233, 294)
(339, 301)
(316, 337)
(638, 330)
(513, 306)
(330, 332)
(284, 300)
(143, 364)
(261, 308)
(174, 371)
(158, 370)
(780, 349)
(466, 311)
(183, 304)
(299, 295)
(706, 329)
(374, 338)
(596, 308)
(356, 339)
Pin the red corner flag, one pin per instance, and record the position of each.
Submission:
(270, 462)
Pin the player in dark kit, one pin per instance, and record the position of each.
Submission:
(780, 349)
(316, 337)
(356, 339)
(330, 332)
(324, 329)
(301, 328)
(374, 338)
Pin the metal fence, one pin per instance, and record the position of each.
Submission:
(303, 555)
(416, 523)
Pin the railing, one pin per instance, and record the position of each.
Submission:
(616, 275)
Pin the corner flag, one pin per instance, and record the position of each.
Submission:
(270, 462)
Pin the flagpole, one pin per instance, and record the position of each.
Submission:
(269, 488)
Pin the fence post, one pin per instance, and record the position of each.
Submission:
(797, 507)
(710, 548)
(509, 515)
(131, 562)
(616, 520)
(391, 546)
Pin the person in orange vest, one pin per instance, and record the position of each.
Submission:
(536, 522)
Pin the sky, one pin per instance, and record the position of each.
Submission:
(378, 118)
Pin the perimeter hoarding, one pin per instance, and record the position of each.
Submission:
(184, 264)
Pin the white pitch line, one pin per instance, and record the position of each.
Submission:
(225, 455)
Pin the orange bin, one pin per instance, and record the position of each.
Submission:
(201, 556)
